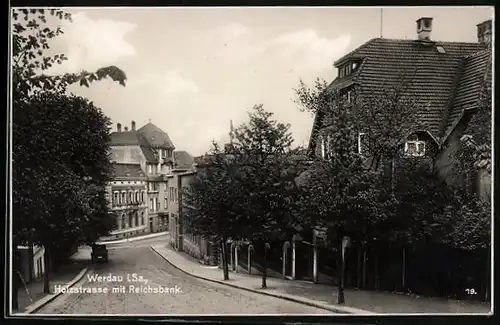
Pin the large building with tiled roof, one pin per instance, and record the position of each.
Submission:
(446, 78)
(142, 157)
(128, 193)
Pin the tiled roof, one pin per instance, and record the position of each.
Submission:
(156, 137)
(134, 138)
(128, 171)
(183, 160)
(433, 74)
(469, 87)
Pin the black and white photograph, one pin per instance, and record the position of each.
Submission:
(197, 161)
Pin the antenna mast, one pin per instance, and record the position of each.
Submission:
(231, 133)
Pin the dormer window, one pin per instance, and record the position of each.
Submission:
(348, 68)
(415, 148)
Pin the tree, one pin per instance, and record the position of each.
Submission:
(211, 203)
(263, 151)
(60, 169)
(31, 33)
(340, 192)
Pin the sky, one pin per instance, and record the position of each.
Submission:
(190, 71)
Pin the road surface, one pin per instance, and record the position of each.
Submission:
(182, 294)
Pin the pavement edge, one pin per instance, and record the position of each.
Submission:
(343, 310)
(37, 305)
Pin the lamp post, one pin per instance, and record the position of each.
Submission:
(346, 242)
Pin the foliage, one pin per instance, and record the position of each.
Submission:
(340, 193)
(210, 203)
(263, 149)
(58, 142)
(31, 33)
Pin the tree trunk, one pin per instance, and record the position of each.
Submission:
(377, 278)
(47, 268)
(363, 282)
(488, 276)
(359, 267)
(403, 279)
(264, 266)
(15, 278)
(225, 267)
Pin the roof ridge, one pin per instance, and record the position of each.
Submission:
(485, 50)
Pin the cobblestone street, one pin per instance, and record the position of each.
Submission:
(194, 296)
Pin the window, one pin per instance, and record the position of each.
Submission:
(415, 148)
(165, 203)
(175, 195)
(349, 96)
(164, 153)
(152, 205)
(323, 147)
(142, 196)
(137, 200)
(150, 169)
(124, 222)
(142, 219)
(116, 199)
(124, 198)
(150, 187)
(136, 219)
(361, 143)
(130, 220)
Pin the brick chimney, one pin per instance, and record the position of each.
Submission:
(484, 32)
(126, 128)
(133, 125)
(119, 127)
(424, 28)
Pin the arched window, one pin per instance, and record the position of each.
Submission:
(136, 196)
(136, 219)
(142, 218)
(142, 197)
(124, 222)
(124, 198)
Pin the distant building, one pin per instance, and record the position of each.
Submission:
(32, 264)
(142, 158)
(128, 192)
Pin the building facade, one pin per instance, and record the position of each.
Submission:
(142, 158)
(128, 192)
(445, 78)
(32, 262)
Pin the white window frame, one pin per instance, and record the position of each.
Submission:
(418, 145)
(360, 149)
(323, 149)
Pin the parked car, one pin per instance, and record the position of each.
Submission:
(99, 253)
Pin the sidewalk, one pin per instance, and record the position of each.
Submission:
(32, 294)
(131, 239)
(324, 296)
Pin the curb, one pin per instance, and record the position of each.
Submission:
(37, 305)
(131, 239)
(342, 310)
